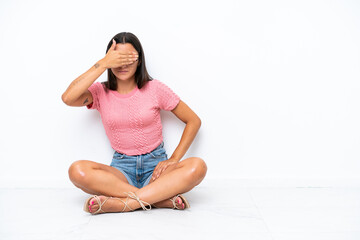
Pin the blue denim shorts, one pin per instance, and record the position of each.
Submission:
(138, 169)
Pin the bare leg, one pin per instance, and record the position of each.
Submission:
(179, 178)
(99, 179)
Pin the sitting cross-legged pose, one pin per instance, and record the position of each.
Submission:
(140, 175)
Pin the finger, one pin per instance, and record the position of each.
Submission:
(130, 59)
(161, 171)
(158, 173)
(113, 45)
(127, 57)
(127, 53)
(154, 176)
(155, 171)
(127, 61)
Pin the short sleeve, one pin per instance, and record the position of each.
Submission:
(167, 99)
(95, 90)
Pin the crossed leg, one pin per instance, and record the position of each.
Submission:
(99, 179)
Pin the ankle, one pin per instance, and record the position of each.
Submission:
(135, 202)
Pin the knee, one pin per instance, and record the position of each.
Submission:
(77, 171)
(198, 168)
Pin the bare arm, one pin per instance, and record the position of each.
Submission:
(193, 123)
(77, 94)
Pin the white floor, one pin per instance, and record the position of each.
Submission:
(217, 212)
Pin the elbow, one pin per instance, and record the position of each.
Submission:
(197, 121)
(194, 122)
(65, 99)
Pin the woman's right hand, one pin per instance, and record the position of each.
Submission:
(115, 58)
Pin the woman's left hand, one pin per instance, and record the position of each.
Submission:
(162, 166)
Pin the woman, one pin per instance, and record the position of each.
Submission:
(140, 174)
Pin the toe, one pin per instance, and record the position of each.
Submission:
(180, 203)
(93, 207)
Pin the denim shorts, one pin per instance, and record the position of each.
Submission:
(138, 169)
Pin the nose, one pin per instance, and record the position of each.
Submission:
(123, 67)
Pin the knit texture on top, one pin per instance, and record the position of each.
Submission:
(132, 121)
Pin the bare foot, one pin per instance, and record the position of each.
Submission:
(168, 203)
(110, 205)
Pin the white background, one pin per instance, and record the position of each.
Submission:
(276, 84)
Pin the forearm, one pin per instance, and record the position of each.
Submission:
(190, 131)
(83, 82)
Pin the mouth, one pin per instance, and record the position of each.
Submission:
(122, 71)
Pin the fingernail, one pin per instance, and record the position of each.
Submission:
(89, 208)
(92, 202)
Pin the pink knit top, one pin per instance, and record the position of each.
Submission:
(132, 121)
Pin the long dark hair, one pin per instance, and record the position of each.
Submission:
(141, 74)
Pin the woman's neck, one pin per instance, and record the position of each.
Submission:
(126, 86)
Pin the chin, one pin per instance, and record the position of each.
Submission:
(123, 77)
